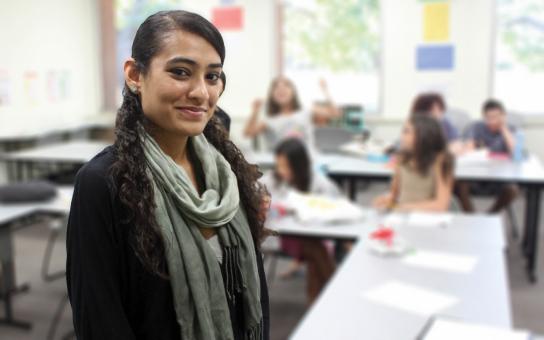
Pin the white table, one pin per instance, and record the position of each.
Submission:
(76, 152)
(528, 174)
(10, 214)
(341, 312)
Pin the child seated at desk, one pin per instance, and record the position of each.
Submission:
(423, 177)
(293, 171)
(497, 136)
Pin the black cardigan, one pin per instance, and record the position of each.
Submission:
(112, 295)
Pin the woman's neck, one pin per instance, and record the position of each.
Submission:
(171, 144)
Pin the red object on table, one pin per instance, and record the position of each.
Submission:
(384, 234)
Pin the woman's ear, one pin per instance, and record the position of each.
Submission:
(132, 75)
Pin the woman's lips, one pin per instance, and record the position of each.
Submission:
(191, 112)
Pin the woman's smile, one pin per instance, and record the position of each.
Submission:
(192, 112)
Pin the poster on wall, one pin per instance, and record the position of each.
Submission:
(229, 18)
(31, 88)
(5, 88)
(57, 84)
(436, 25)
(435, 57)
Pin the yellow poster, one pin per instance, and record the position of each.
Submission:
(436, 22)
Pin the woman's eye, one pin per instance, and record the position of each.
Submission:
(179, 72)
(213, 76)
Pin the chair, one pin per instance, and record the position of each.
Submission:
(57, 226)
(271, 249)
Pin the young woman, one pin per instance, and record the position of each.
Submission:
(423, 177)
(165, 224)
(294, 172)
(284, 115)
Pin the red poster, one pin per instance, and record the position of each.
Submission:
(228, 18)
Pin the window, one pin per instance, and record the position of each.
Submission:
(336, 40)
(519, 68)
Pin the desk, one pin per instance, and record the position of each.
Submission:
(74, 153)
(11, 214)
(482, 294)
(529, 175)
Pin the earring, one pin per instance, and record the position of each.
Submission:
(133, 89)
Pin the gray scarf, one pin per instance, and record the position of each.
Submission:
(199, 289)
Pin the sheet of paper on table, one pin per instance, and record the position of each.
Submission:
(451, 329)
(443, 261)
(429, 220)
(409, 298)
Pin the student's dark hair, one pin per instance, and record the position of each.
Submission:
(129, 174)
(272, 107)
(492, 104)
(429, 145)
(294, 150)
(424, 102)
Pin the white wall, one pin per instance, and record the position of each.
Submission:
(42, 36)
(471, 32)
(251, 55)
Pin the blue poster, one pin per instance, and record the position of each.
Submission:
(435, 58)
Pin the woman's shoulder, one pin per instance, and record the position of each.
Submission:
(95, 173)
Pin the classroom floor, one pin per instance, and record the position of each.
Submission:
(287, 296)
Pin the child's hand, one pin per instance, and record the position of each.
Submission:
(382, 202)
(257, 104)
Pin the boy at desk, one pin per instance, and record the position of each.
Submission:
(423, 177)
(496, 135)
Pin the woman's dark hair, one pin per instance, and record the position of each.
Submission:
(492, 104)
(294, 150)
(423, 104)
(429, 144)
(272, 107)
(223, 78)
(134, 187)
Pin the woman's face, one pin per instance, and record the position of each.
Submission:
(283, 169)
(181, 87)
(283, 92)
(408, 137)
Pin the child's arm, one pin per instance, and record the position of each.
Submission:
(329, 111)
(389, 199)
(508, 138)
(253, 126)
(443, 191)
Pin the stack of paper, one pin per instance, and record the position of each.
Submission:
(323, 209)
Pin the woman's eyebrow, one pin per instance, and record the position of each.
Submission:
(189, 61)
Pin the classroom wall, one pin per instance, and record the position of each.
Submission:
(471, 33)
(251, 53)
(57, 43)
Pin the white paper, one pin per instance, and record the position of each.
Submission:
(477, 157)
(394, 220)
(450, 262)
(323, 209)
(409, 298)
(429, 220)
(443, 329)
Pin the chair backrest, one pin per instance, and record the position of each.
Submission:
(460, 119)
(330, 138)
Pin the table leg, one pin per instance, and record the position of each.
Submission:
(7, 280)
(532, 230)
